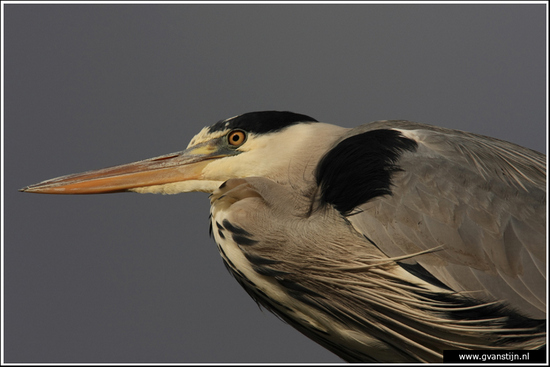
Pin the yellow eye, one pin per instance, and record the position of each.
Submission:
(236, 138)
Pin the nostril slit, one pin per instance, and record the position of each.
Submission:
(164, 158)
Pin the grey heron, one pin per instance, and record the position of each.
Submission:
(390, 242)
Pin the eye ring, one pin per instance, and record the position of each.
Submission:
(236, 138)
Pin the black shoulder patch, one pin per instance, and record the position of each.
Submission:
(360, 168)
(261, 122)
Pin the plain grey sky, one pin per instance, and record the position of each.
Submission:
(135, 278)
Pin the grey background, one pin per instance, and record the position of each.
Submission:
(135, 278)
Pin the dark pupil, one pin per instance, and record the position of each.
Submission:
(236, 137)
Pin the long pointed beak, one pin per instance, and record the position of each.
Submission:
(181, 166)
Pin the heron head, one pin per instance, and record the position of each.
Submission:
(267, 144)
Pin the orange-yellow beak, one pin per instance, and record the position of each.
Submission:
(181, 166)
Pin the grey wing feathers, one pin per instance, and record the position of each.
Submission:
(482, 199)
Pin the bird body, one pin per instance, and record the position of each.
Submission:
(390, 242)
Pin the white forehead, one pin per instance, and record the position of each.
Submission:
(205, 135)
